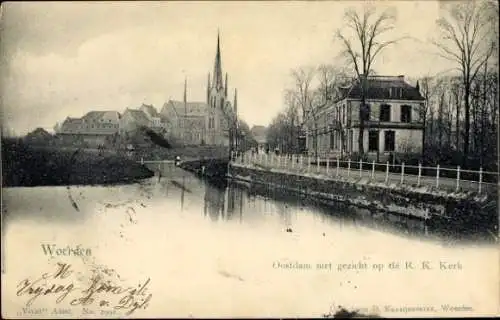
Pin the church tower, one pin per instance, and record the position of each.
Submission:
(216, 97)
(218, 89)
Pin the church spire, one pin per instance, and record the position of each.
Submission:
(236, 125)
(235, 105)
(185, 90)
(225, 87)
(217, 82)
(185, 96)
(208, 89)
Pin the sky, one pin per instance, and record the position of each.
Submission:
(67, 58)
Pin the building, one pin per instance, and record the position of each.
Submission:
(146, 116)
(96, 128)
(186, 121)
(153, 115)
(210, 122)
(133, 119)
(39, 135)
(392, 122)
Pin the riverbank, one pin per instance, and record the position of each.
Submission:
(185, 152)
(214, 169)
(402, 200)
(26, 166)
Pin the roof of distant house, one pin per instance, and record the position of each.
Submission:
(70, 120)
(39, 133)
(384, 87)
(149, 109)
(189, 109)
(94, 116)
(139, 115)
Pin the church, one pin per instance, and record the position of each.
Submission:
(204, 123)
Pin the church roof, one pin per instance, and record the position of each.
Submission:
(190, 109)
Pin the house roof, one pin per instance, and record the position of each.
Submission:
(190, 109)
(85, 125)
(384, 87)
(69, 120)
(39, 133)
(94, 116)
(139, 115)
(150, 110)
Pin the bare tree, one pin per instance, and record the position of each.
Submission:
(303, 78)
(292, 116)
(363, 47)
(305, 98)
(428, 91)
(330, 79)
(465, 40)
(455, 94)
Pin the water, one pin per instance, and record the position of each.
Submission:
(213, 250)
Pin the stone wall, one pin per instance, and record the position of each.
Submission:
(376, 197)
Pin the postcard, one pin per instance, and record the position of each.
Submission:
(276, 159)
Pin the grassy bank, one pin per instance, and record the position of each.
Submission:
(26, 165)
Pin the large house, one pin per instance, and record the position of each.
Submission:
(153, 115)
(209, 122)
(146, 116)
(95, 128)
(392, 124)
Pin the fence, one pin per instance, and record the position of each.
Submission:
(449, 179)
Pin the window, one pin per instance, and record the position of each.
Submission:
(385, 113)
(389, 140)
(405, 113)
(332, 139)
(372, 140)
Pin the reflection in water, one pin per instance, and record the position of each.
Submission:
(214, 202)
(254, 202)
(183, 191)
(225, 242)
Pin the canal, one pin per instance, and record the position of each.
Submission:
(216, 249)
